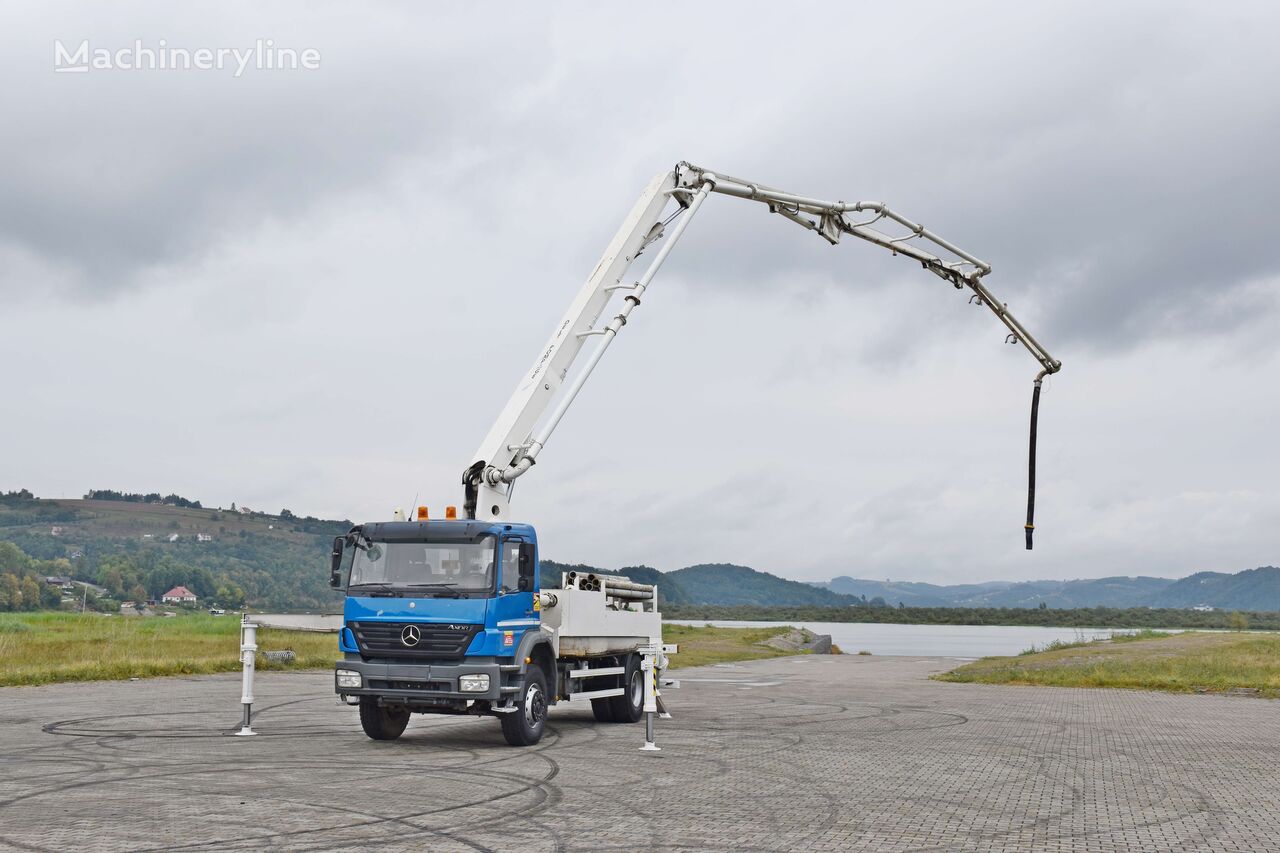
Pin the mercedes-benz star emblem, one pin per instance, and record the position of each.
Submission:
(410, 636)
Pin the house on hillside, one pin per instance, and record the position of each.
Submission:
(173, 537)
(179, 595)
(61, 581)
(99, 591)
(204, 537)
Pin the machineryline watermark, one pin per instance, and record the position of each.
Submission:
(262, 55)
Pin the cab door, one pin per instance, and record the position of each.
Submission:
(517, 588)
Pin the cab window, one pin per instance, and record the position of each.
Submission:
(510, 566)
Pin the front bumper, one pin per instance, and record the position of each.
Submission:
(425, 682)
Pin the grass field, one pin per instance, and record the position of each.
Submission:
(1182, 663)
(41, 648)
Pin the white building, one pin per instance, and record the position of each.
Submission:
(179, 595)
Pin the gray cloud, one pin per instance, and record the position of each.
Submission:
(117, 173)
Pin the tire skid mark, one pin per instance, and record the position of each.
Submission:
(549, 795)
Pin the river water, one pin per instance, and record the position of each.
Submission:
(965, 641)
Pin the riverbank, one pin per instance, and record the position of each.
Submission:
(700, 646)
(956, 641)
(1179, 663)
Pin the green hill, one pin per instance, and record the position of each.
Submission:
(273, 562)
(1254, 589)
(910, 593)
(1093, 592)
(228, 558)
(723, 583)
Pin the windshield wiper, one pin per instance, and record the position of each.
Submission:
(447, 587)
(378, 589)
(391, 590)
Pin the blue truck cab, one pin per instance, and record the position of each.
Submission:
(442, 617)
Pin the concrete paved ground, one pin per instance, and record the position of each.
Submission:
(791, 754)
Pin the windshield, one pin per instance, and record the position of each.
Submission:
(428, 568)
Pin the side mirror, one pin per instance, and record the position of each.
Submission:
(335, 562)
(527, 567)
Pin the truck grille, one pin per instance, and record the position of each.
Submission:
(434, 642)
(431, 686)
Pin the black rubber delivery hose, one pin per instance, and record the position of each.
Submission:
(1031, 463)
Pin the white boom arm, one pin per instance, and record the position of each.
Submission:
(518, 435)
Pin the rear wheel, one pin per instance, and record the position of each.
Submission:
(603, 710)
(523, 727)
(629, 707)
(382, 723)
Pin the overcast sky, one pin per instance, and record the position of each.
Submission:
(315, 289)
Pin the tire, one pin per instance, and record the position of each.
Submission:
(382, 723)
(524, 726)
(629, 707)
(603, 710)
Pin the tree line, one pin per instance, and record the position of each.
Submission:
(22, 585)
(133, 497)
(138, 576)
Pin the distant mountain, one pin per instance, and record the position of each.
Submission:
(909, 593)
(718, 583)
(1098, 592)
(1255, 589)
(729, 585)
(722, 583)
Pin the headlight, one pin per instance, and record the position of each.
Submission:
(473, 683)
(348, 678)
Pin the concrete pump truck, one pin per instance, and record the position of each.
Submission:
(446, 616)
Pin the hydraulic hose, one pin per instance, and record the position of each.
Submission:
(1031, 461)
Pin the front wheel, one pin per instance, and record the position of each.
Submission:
(381, 723)
(523, 726)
